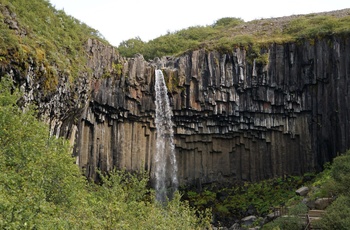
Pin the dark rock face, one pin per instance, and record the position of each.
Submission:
(235, 119)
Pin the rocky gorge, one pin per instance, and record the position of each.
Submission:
(236, 117)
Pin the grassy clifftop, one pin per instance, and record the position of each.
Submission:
(34, 32)
(227, 33)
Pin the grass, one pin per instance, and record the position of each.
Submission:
(228, 33)
(45, 37)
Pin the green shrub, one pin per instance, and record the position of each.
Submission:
(37, 175)
(291, 221)
(228, 22)
(341, 173)
(298, 209)
(131, 47)
(285, 223)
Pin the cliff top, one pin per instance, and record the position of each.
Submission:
(269, 26)
(227, 33)
(35, 33)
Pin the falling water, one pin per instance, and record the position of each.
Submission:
(165, 161)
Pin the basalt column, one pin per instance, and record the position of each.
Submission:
(235, 117)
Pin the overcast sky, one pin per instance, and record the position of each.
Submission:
(119, 20)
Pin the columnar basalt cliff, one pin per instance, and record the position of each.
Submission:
(235, 119)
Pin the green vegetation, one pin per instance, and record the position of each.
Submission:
(337, 184)
(52, 42)
(250, 198)
(44, 37)
(42, 188)
(291, 221)
(172, 81)
(177, 42)
(332, 182)
(230, 203)
(228, 33)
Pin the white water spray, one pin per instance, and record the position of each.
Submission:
(165, 160)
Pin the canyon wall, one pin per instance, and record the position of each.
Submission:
(236, 118)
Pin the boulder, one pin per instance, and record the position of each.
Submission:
(273, 215)
(322, 203)
(302, 191)
(249, 220)
(235, 226)
(310, 203)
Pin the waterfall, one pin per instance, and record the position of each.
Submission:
(165, 160)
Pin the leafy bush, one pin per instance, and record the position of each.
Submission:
(37, 175)
(285, 223)
(131, 47)
(291, 221)
(341, 173)
(228, 21)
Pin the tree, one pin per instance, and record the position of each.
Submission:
(38, 179)
(131, 47)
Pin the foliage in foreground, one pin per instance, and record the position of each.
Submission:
(42, 188)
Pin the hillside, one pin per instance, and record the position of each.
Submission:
(39, 33)
(49, 40)
(251, 101)
(246, 86)
(226, 33)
